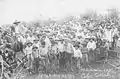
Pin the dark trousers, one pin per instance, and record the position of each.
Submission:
(0, 69)
(36, 65)
(91, 55)
(68, 60)
(65, 60)
(62, 60)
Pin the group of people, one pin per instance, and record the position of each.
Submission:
(51, 49)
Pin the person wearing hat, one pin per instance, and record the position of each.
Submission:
(69, 50)
(60, 46)
(35, 63)
(48, 43)
(29, 38)
(61, 54)
(16, 23)
(77, 55)
(43, 50)
(28, 52)
(36, 42)
(91, 46)
(117, 48)
(108, 34)
(54, 48)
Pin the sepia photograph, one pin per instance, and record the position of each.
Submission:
(59, 39)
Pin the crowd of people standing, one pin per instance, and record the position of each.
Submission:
(52, 49)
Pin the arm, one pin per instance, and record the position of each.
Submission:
(25, 51)
(94, 46)
(88, 45)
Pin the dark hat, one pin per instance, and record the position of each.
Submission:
(76, 45)
(39, 35)
(35, 47)
(16, 22)
(36, 40)
(43, 43)
(29, 42)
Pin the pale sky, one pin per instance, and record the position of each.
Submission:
(27, 10)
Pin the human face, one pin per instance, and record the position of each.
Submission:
(43, 46)
(91, 40)
(29, 45)
(35, 41)
(35, 49)
(76, 47)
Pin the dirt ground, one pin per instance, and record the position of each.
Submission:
(91, 71)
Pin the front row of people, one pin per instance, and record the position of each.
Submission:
(36, 51)
(63, 50)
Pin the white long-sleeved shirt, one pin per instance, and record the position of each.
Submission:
(37, 44)
(43, 51)
(28, 50)
(35, 53)
(77, 53)
(17, 29)
(69, 48)
(60, 47)
(47, 41)
(54, 49)
(22, 29)
(91, 45)
(21, 39)
(108, 35)
(118, 43)
(1, 59)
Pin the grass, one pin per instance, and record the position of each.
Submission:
(101, 73)
(92, 71)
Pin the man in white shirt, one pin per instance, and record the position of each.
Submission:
(36, 43)
(69, 47)
(109, 35)
(54, 49)
(28, 49)
(48, 43)
(35, 53)
(43, 49)
(17, 26)
(91, 47)
(77, 52)
(29, 38)
(60, 46)
(77, 55)
(61, 50)
(68, 52)
(28, 52)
